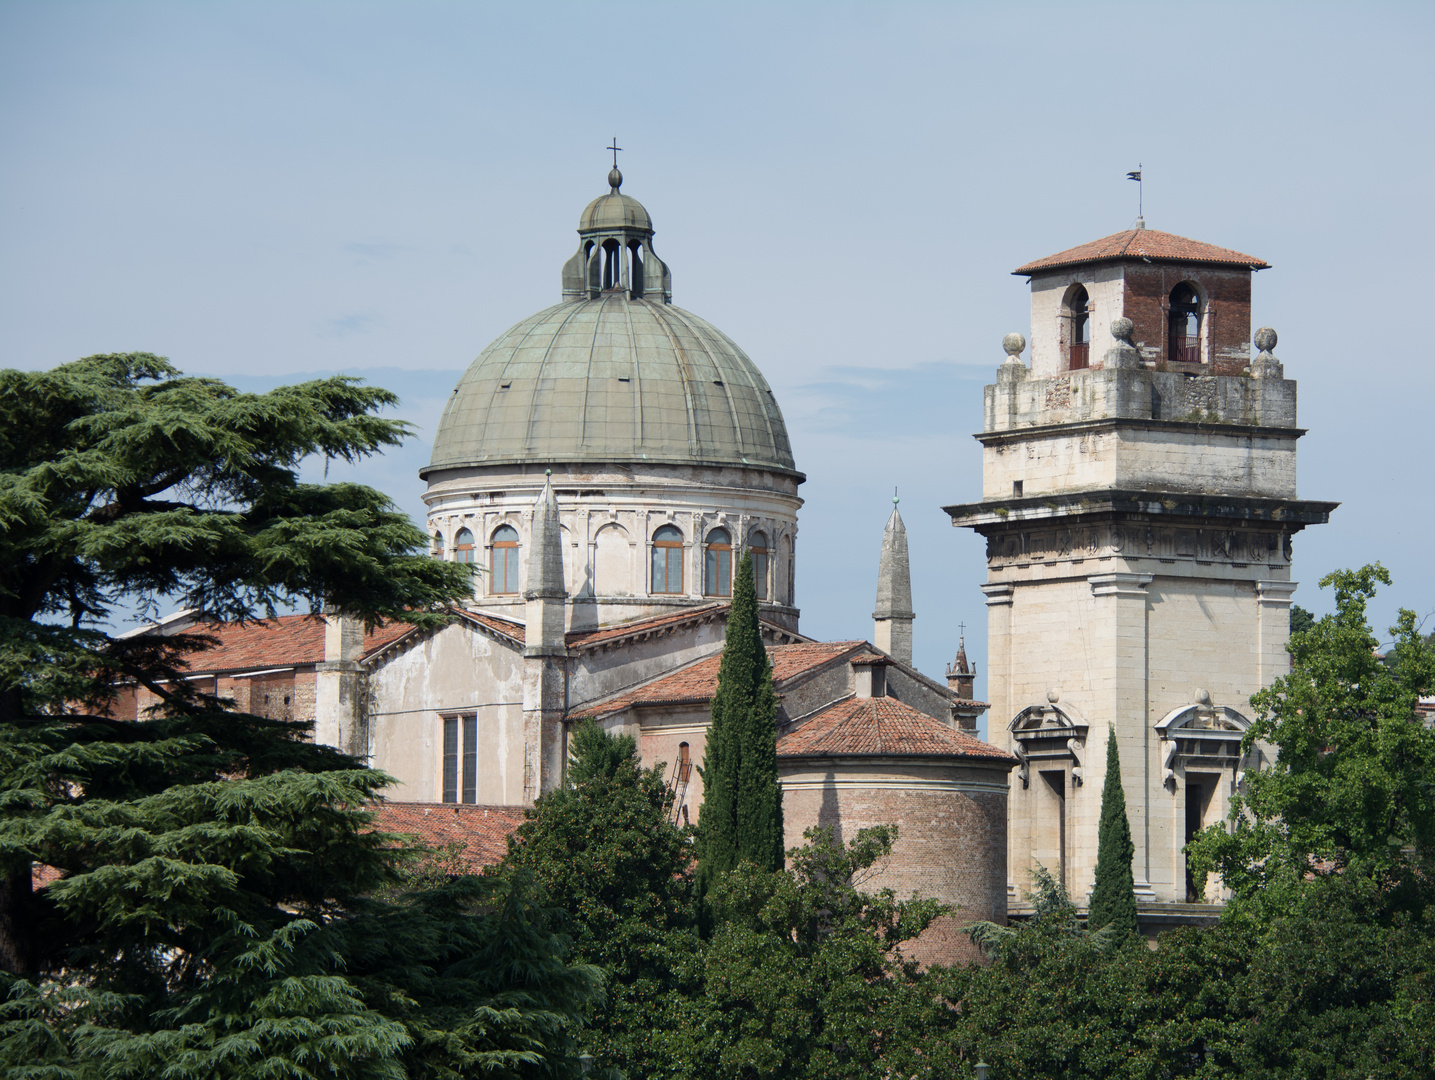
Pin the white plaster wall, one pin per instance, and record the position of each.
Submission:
(453, 671)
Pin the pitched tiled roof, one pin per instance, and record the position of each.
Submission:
(505, 627)
(696, 683)
(285, 641)
(655, 624)
(1144, 244)
(482, 830)
(882, 726)
(585, 639)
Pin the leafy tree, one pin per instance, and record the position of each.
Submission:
(804, 978)
(742, 803)
(213, 866)
(1349, 791)
(605, 850)
(1061, 1001)
(1113, 899)
(1301, 619)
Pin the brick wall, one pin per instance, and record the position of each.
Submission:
(952, 833)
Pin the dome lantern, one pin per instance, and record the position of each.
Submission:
(615, 251)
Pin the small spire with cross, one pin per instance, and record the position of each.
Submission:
(615, 178)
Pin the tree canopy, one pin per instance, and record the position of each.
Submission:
(1349, 791)
(1113, 897)
(215, 902)
(742, 802)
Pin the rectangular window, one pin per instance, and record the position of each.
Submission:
(450, 759)
(510, 570)
(719, 572)
(759, 570)
(470, 759)
(460, 759)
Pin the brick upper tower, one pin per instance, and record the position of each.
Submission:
(1189, 303)
(1138, 503)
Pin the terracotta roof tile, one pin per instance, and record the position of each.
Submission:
(507, 627)
(285, 641)
(882, 726)
(1144, 244)
(696, 683)
(482, 830)
(586, 638)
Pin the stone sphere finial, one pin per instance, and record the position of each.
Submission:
(1203, 697)
(1013, 344)
(615, 178)
(1265, 339)
(1053, 695)
(547, 472)
(1122, 328)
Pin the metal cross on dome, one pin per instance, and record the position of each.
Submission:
(615, 148)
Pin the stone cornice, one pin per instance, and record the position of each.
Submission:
(1086, 427)
(995, 514)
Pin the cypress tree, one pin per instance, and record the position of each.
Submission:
(742, 803)
(1113, 900)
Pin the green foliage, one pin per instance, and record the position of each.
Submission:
(742, 803)
(1301, 620)
(1349, 791)
(224, 905)
(1113, 898)
(804, 977)
(453, 981)
(605, 850)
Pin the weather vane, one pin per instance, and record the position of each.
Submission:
(615, 148)
(1135, 175)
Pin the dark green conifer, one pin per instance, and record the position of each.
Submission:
(1113, 900)
(742, 804)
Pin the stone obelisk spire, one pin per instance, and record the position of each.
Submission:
(892, 621)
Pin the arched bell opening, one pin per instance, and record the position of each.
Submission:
(1076, 312)
(1183, 325)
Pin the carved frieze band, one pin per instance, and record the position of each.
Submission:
(1066, 543)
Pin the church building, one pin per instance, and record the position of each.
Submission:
(605, 464)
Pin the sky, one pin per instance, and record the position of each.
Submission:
(265, 192)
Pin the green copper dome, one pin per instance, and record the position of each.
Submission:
(612, 378)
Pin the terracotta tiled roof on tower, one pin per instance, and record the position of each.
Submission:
(1144, 244)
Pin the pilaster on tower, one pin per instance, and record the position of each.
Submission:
(1138, 503)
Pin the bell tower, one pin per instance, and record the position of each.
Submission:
(1139, 504)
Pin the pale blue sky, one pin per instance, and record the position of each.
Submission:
(263, 190)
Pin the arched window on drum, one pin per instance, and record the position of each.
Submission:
(717, 564)
(463, 546)
(757, 545)
(503, 573)
(667, 561)
(436, 549)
